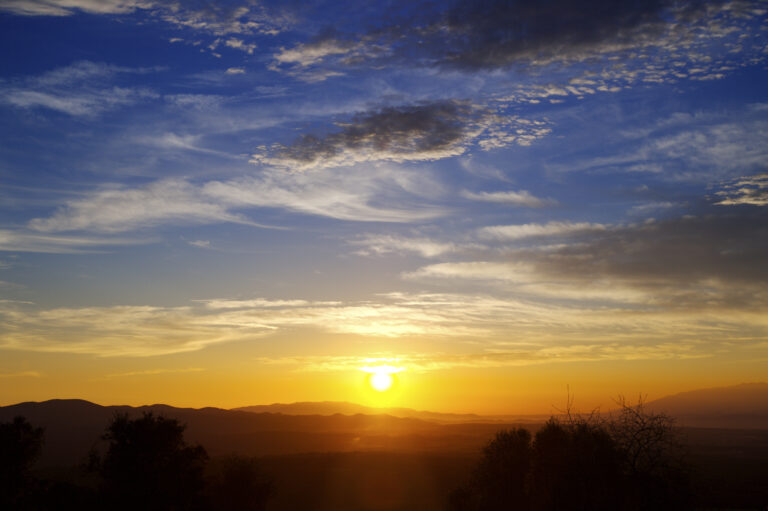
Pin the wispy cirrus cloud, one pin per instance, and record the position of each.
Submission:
(389, 194)
(70, 7)
(30, 241)
(80, 89)
(515, 232)
(703, 146)
(525, 354)
(515, 198)
(380, 194)
(543, 332)
(382, 244)
(122, 209)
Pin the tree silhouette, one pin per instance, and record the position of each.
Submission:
(148, 466)
(20, 445)
(500, 478)
(576, 466)
(653, 457)
(629, 461)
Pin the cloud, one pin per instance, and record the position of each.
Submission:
(119, 330)
(516, 232)
(80, 89)
(476, 270)
(304, 55)
(322, 57)
(219, 18)
(172, 141)
(519, 198)
(381, 244)
(711, 261)
(122, 209)
(620, 44)
(384, 194)
(422, 132)
(263, 303)
(752, 190)
(224, 17)
(379, 194)
(649, 207)
(725, 252)
(200, 243)
(239, 44)
(498, 33)
(235, 71)
(496, 357)
(69, 7)
(502, 331)
(695, 147)
(524, 279)
(25, 241)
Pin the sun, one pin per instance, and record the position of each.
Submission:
(381, 378)
(381, 381)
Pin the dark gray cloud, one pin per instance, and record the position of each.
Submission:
(421, 128)
(497, 33)
(427, 131)
(716, 259)
(492, 34)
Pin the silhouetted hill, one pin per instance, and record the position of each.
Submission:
(737, 406)
(73, 427)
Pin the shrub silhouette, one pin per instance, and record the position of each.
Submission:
(20, 445)
(629, 461)
(149, 466)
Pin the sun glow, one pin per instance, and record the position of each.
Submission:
(381, 378)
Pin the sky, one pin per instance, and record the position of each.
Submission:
(237, 202)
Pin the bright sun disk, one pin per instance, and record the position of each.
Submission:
(381, 378)
(381, 381)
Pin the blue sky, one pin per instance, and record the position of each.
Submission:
(312, 186)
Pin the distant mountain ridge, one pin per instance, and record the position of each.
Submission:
(737, 406)
(74, 426)
(346, 408)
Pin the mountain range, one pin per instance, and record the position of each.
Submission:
(73, 427)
